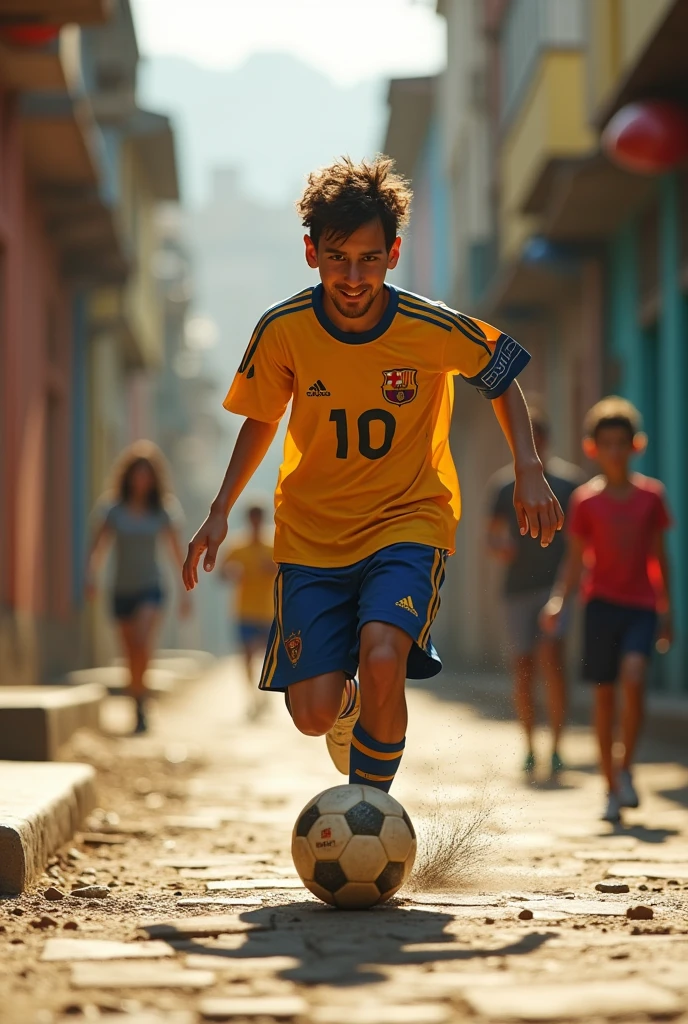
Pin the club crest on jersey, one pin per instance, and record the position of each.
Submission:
(399, 387)
(294, 647)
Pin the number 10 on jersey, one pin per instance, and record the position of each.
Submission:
(364, 421)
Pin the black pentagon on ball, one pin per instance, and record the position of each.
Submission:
(410, 826)
(390, 878)
(365, 820)
(329, 875)
(307, 821)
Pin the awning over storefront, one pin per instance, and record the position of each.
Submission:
(54, 12)
(410, 110)
(587, 200)
(662, 69)
(154, 139)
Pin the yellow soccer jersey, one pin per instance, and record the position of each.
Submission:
(366, 458)
(254, 598)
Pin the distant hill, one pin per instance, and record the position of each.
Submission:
(274, 118)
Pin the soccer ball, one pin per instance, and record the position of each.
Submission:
(353, 846)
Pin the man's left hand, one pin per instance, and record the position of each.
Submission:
(537, 510)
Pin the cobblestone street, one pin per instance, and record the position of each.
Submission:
(193, 910)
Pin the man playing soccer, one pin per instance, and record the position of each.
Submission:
(616, 530)
(367, 500)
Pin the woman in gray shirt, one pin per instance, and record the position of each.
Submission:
(138, 515)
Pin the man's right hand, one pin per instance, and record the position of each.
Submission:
(208, 539)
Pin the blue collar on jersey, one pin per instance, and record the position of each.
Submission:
(350, 337)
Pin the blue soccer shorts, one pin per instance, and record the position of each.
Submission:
(319, 613)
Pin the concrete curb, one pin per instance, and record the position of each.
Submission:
(41, 807)
(115, 679)
(35, 721)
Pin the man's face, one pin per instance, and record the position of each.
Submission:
(353, 270)
(613, 449)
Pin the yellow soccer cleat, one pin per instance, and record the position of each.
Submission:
(339, 737)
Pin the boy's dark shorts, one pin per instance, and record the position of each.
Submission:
(319, 613)
(611, 631)
(125, 606)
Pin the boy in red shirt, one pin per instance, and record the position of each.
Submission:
(615, 528)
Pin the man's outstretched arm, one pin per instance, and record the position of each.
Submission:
(537, 509)
(255, 437)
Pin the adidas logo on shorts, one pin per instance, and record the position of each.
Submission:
(407, 604)
(318, 390)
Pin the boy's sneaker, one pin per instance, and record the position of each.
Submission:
(558, 765)
(612, 812)
(339, 737)
(627, 794)
(529, 763)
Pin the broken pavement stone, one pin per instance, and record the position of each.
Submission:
(240, 967)
(103, 839)
(451, 900)
(138, 975)
(255, 883)
(640, 913)
(221, 901)
(648, 869)
(201, 927)
(567, 906)
(415, 1013)
(282, 1007)
(91, 892)
(102, 949)
(609, 998)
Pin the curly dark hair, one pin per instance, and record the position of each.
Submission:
(340, 198)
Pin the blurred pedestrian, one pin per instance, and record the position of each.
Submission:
(616, 530)
(530, 572)
(250, 565)
(139, 511)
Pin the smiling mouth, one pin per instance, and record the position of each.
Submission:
(351, 294)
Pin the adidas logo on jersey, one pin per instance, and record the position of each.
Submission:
(318, 390)
(407, 604)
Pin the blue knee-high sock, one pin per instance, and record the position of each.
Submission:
(373, 763)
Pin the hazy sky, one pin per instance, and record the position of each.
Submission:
(350, 40)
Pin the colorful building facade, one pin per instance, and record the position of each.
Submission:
(583, 261)
(67, 232)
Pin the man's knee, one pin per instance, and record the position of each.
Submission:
(312, 715)
(384, 669)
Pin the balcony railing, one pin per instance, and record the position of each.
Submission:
(531, 26)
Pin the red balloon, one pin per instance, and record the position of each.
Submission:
(649, 137)
(29, 35)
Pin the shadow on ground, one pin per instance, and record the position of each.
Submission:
(345, 947)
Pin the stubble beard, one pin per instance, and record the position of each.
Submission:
(353, 314)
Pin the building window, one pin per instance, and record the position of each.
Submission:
(529, 27)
